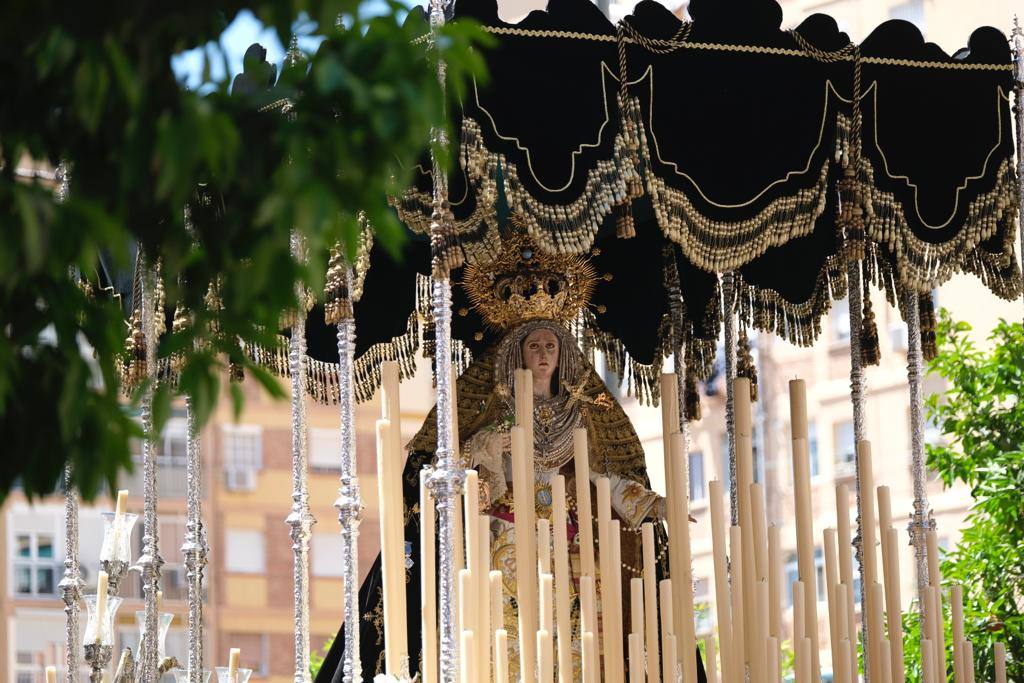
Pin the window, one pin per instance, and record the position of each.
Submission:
(171, 448)
(35, 566)
(324, 449)
(243, 456)
(840, 321)
(326, 551)
(845, 448)
(793, 575)
(812, 448)
(697, 487)
(911, 10)
(819, 573)
(701, 606)
(245, 551)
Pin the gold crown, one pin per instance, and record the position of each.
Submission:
(522, 283)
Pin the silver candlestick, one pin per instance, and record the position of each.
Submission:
(71, 585)
(921, 520)
(349, 503)
(300, 520)
(99, 634)
(151, 562)
(194, 548)
(446, 477)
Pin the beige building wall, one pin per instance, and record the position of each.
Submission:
(249, 577)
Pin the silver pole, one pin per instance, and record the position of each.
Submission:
(194, 549)
(300, 520)
(151, 561)
(71, 585)
(857, 387)
(446, 477)
(921, 520)
(1018, 88)
(349, 503)
(729, 323)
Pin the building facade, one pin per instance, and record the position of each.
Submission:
(246, 497)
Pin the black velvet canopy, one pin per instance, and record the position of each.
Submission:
(738, 133)
(672, 152)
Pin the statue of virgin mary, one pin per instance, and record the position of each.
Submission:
(533, 298)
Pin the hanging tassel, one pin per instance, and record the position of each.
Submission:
(926, 310)
(180, 324)
(691, 398)
(625, 228)
(851, 215)
(445, 249)
(870, 351)
(135, 345)
(745, 363)
(214, 306)
(337, 303)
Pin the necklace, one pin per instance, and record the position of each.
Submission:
(554, 420)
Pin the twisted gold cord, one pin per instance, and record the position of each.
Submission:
(842, 55)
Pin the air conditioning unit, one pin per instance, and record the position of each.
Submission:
(237, 479)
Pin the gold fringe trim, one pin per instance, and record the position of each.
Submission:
(719, 246)
(798, 323)
(557, 228)
(923, 266)
(415, 209)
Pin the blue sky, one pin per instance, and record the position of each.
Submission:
(245, 30)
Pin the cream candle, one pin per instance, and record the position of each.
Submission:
(868, 528)
(234, 655)
(636, 659)
(545, 663)
(723, 610)
(1000, 659)
(101, 605)
(736, 562)
(526, 539)
(392, 553)
(617, 667)
(831, 578)
(501, 656)
(51, 674)
(581, 463)
(956, 600)
(636, 607)
(683, 600)
(891, 579)
(668, 660)
(589, 658)
(968, 656)
(563, 588)
(607, 589)
(547, 603)
(543, 546)
(710, 660)
(673, 488)
(805, 543)
(650, 603)
(468, 664)
(774, 583)
(428, 585)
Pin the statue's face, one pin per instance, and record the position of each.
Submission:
(540, 352)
